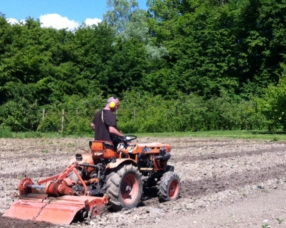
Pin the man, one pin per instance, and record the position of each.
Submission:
(104, 122)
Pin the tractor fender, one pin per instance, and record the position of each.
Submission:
(118, 162)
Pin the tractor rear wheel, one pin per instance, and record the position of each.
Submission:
(124, 187)
(169, 186)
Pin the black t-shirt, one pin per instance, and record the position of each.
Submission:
(102, 120)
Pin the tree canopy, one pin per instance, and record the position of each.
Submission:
(228, 53)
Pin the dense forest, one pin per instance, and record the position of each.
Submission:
(181, 65)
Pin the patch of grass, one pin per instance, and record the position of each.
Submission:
(279, 220)
(37, 134)
(237, 134)
(71, 144)
(29, 134)
(275, 139)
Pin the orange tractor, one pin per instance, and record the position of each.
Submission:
(103, 177)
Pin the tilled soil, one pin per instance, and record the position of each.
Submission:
(224, 182)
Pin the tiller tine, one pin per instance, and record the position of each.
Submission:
(59, 210)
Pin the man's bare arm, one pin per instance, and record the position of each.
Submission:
(113, 130)
(92, 126)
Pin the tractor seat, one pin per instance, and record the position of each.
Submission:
(109, 146)
(102, 145)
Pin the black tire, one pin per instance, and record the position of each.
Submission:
(169, 186)
(124, 188)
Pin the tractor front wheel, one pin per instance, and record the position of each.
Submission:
(124, 188)
(169, 186)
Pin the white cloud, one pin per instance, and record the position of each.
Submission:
(92, 21)
(57, 21)
(12, 21)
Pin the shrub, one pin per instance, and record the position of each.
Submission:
(5, 132)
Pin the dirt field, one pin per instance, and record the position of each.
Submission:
(224, 182)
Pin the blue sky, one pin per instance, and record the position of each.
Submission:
(57, 13)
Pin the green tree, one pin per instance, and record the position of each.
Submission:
(272, 103)
(120, 13)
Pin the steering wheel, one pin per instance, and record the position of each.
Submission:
(129, 138)
(123, 141)
(126, 139)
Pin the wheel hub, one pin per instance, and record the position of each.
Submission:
(129, 188)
